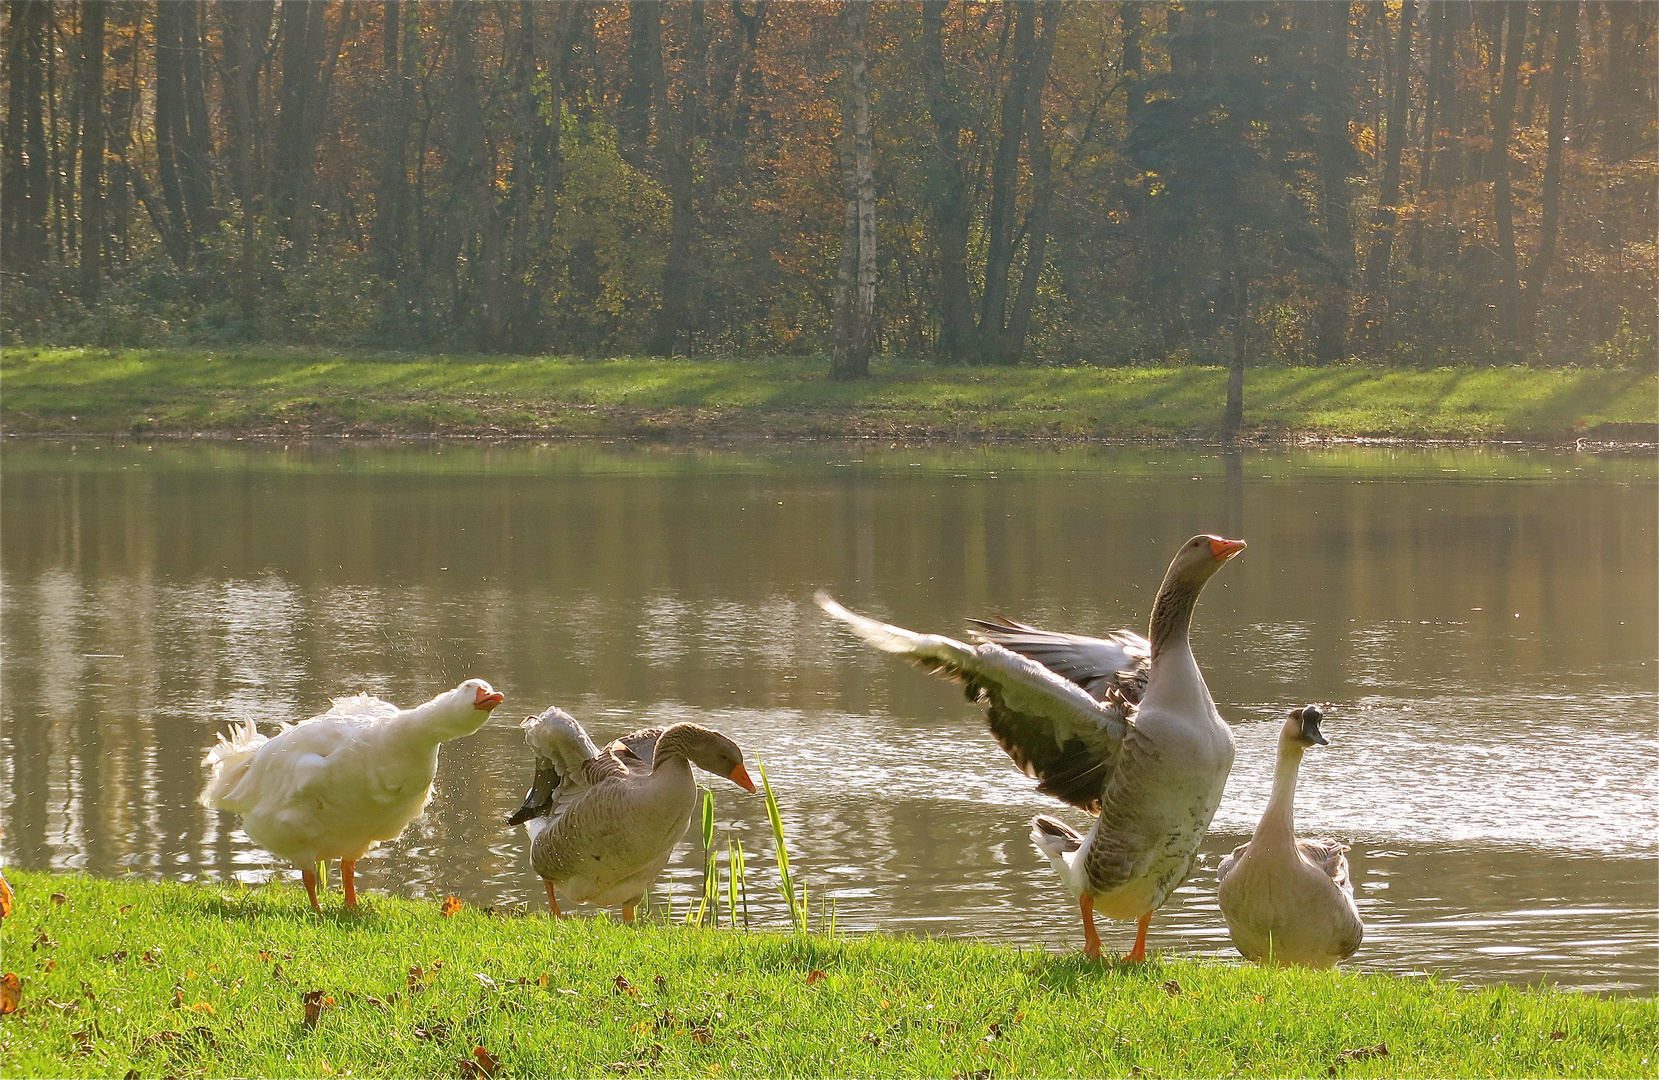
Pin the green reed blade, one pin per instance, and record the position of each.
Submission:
(780, 849)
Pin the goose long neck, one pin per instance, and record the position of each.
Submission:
(1172, 613)
(675, 743)
(1278, 823)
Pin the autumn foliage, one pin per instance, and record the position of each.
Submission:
(1413, 182)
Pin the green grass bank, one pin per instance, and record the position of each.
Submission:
(292, 391)
(142, 979)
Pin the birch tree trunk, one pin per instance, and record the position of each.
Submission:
(855, 288)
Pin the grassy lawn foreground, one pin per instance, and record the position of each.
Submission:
(160, 391)
(206, 980)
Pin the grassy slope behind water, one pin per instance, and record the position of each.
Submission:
(204, 980)
(294, 391)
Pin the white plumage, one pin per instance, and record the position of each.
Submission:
(333, 786)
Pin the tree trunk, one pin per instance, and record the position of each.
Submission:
(1000, 219)
(1041, 157)
(1509, 296)
(24, 180)
(645, 75)
(91, 95)
(1233, 419)
(1561, 67)
(196, 145)
(855, 292)
(674, 148)
(243, 30)
(1388, 195)
(1129, 20)
(1336, 164)
(294, 150)
(170, 127)
(947, 191)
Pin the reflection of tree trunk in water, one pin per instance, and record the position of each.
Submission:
(1566, 56)
(1232, 492)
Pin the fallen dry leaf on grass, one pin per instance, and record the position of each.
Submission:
(1172, 988)
(315, 1001)
(58, 899)
(11, 992)
(623, 986)
(815, 976)
(451, 905)
(481, 1064)
(1557, 1036)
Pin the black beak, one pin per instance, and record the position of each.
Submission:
(1310, 726)
(540, 797)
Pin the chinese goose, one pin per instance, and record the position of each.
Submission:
(1121, 727)
(1290, 901)
(603, 823)
(333, 786)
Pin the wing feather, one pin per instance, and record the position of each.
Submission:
(1112, 669)
(1051, 727)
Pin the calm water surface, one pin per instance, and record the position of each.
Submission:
(1483, 621)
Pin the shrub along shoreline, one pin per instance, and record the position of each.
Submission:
(148, 979)
(289, 392)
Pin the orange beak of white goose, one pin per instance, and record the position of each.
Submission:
(487, 699)
(1225, 549)
(740, 777)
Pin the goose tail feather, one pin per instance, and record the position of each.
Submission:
(227, 762)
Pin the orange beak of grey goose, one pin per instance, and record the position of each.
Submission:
(1225, 549)
(740, 777)
(487, 699)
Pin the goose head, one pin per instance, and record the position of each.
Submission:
(1302, 728)
(460, 711)
(1194, 564)
(1200, 557)
(707, 749)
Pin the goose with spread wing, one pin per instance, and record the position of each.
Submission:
(1122, 727)
(333, 786)
(603, 823)
(1289, 901)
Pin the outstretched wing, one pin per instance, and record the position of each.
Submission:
(1052, 728)
(1112, 669)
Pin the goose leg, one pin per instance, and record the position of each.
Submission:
(348, 872)
(627, 913)
(1138, 953)
(310, 879)
(552, 901)
(1091, 937)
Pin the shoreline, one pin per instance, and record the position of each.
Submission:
(288, 393)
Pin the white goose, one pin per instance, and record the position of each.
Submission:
(1121, 727)
(603, 823)
(333, 786)
(1290, 901)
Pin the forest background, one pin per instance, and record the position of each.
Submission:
(1405, 183)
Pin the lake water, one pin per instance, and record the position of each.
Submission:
(1484, 623)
